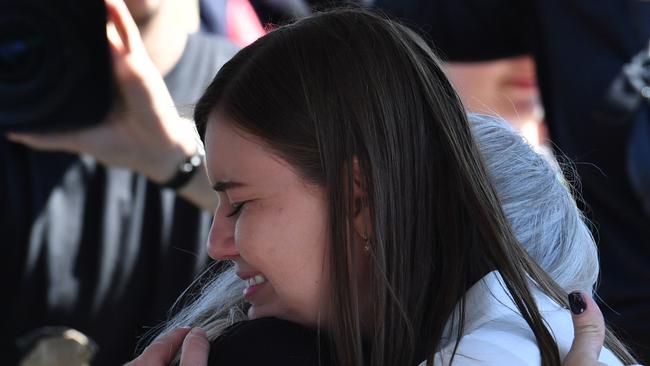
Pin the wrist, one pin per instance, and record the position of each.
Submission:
(172, 156)
(186, 171)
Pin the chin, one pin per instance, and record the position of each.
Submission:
(527, 109)
(257, 312)
(266, 311)
(142, 10)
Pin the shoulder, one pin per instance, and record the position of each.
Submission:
(203, 56)
(500, 341)
(267, 341)
(495, 332)
(209, 45)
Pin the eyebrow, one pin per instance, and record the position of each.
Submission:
(224, 186)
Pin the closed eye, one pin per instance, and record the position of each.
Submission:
(236, 209)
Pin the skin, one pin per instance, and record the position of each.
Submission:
(143, 10)
(505, 87)
(163, 32)
(280, 231)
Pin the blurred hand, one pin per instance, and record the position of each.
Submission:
(143, 131)
(195, 349)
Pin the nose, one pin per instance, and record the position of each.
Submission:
(221, 240)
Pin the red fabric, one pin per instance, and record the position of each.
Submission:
(243, 25)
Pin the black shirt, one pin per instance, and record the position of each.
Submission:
(269, 341)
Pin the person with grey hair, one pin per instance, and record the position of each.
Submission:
(539, 204)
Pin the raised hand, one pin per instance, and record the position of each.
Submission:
(143, 131)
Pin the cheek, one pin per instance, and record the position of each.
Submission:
(490, 80)
(476, 85)
(287, 240)
(295, 229)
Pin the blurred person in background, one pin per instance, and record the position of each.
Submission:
(106, 224)
(235, 19)
(505, 87)
(594, 77)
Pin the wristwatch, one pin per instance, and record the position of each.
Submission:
(186, 170)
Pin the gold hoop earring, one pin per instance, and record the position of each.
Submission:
(366, 240)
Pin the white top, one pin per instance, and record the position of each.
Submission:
(496, 333)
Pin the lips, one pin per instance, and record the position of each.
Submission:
(523, 82)
(254, 281)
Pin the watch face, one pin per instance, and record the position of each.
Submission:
(55, 346)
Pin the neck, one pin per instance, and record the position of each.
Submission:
(164, 37)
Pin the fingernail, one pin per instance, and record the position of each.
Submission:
(198, 331)
(577, 303)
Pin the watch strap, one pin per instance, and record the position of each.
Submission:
(185, 171)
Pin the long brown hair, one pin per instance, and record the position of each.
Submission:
(349, 84)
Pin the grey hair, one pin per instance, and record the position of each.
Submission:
(539, 204)
(218, 304)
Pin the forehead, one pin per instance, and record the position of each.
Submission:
(234, 155)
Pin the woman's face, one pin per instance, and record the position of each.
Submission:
(270, 223)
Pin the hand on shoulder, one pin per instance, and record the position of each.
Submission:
(194, 351)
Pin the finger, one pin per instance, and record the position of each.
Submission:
(196, 348)
(162, 351)
(588, 328)
(67, 141)
(126, 28)
(114, 40)
(117, 35)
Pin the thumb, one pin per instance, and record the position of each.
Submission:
(196, 348)
(588, 328)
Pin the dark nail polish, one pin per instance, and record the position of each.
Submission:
(577, 303)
